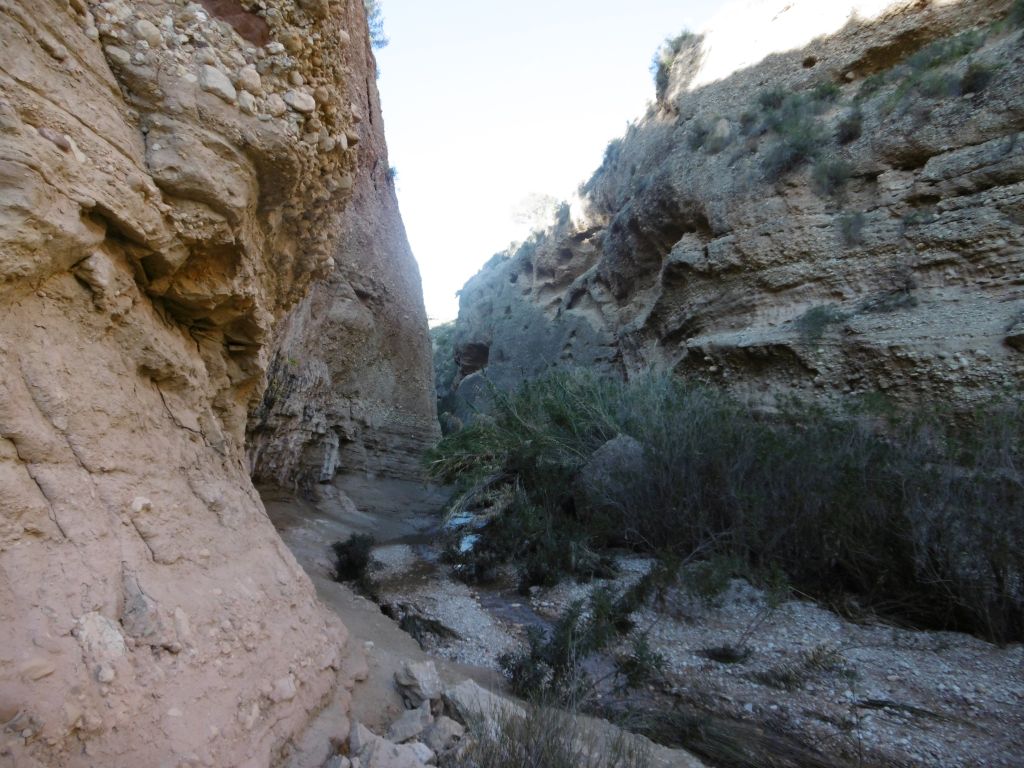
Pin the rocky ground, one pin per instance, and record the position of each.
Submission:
(388, 673)
(828, 691)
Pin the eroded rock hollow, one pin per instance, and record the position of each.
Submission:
(173, 177)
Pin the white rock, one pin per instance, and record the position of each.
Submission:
(100, 638)
(443, 734)
(141, 504)
(423, 753)
(300, 102)
(468, 700)
(119, 56)
(249, 79)
(247, 102)
(276, 105)
(213, 80)
(418, 682)
(146, 30)
(284, 689)
(411, 724)
(105, 673)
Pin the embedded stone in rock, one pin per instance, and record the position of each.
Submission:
(119, 56)
(249, 79)
(213, 80)
(36, 668)
(100, 638)
(300, 102)
(411, 724)
(146, 30)
(247, 102)
(418, 682)
(276, 105)
(284, 690)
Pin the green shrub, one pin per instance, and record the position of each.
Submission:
(830, 175)
(800, 135)
(851, 228)
(871, 85)
(640, 667)
(772, 98)
(826, 92)
(352, 557)
(553, 667)
(790, 153)
(749, 123)
(945, 51)
(698, 135)
(1016, 16)
(850, 126)
(939, 85)
(813, 322)
(664, 57)
(977, 77)
(544, 737)
(375, 20)
(818, 661)
(923, 519)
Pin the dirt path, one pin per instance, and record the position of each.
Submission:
(390, 510)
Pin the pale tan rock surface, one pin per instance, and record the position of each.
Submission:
(150, 234)
(351, 379)
(683, 256)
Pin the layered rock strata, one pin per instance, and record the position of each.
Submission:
(842, 217)
(351, 378)
(171, 180)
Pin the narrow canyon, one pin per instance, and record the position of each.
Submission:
(215, 364)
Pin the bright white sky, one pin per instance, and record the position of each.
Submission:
(488, 101)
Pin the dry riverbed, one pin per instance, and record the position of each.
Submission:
(788, 679)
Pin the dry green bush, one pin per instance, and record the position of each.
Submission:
(921, 517)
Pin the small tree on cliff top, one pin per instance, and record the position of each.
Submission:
(375, 19)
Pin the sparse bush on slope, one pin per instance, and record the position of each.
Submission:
(919, 519)
(664, 57)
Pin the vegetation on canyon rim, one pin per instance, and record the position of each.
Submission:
(919, 518)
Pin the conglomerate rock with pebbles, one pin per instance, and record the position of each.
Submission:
(171, 180)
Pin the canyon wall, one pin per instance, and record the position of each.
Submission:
(351, 378)
(172, 178)
(844, 216)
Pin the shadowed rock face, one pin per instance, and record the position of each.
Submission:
(167, 192)
(350, 387)
(247, 24)
(690, 256)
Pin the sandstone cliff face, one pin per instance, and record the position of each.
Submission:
(888, 257)
(171, 176)
(351, 379)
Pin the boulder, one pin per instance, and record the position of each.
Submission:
(443, 734)
(374, 751)
(605, 479)
(411, 724)
(468, 701)
(418, 682)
